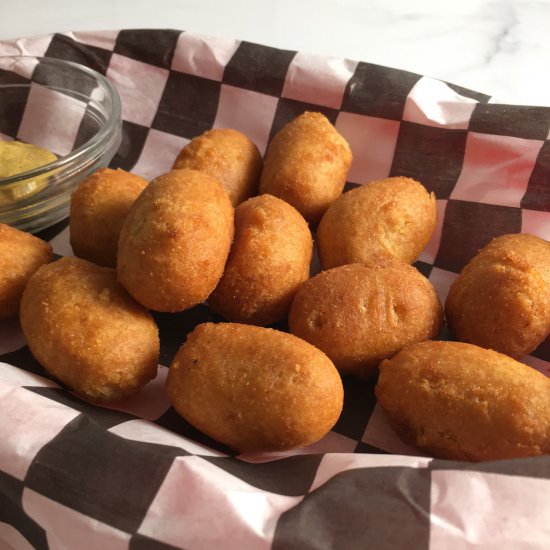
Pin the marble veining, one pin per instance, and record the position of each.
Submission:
(501, 41)
(496, 47)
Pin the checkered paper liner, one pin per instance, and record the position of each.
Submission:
(137, 476)
(32, 113)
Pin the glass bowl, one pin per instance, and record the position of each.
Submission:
(66, 108)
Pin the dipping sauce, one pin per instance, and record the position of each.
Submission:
(16, 158)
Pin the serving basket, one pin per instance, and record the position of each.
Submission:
(137, 476)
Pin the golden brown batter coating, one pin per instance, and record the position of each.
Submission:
(269, 259)
(501, 299)
(175, 241)
(227, 155)
(462, 402)
(83, 328)
(359, 315)
(394, 218)
(99, 207)
(306, 165)
(254, 389)
(21, 254)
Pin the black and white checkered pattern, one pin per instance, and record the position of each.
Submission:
(34, 115)
(137, 476)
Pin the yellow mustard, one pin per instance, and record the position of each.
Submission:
(15, 158)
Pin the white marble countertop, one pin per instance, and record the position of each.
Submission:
(496, 47)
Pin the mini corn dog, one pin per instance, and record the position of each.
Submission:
(306, 165)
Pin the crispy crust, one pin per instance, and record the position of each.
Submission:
(254, 389)
(99, 207)
(21, 254)
(501, 299)
(175, 241)
(269, 259)
(306, 165)
(390, 218)
(359, 315)
(461, 402)
(228, 156)
(83, 328)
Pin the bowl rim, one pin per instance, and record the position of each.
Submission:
(104, 132)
